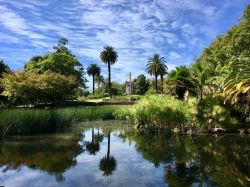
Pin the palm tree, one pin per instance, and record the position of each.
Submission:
(179, 81)
(108, 163)
(162, 71)
(93, 70)
(236, 85)
(109, 56)
(154, 65)
(200, 78)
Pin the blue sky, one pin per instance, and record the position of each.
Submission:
(176, 29)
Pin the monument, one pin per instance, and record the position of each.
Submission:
(129, 84)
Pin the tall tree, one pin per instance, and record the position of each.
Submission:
(61, 61)
(4, 68)
(93, 70)
(153, 66)
(200, 75)
(162, 71)
(109, 56)
(61, 46)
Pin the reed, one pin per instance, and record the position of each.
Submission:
(36, 121)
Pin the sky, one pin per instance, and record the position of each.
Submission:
(176, 29)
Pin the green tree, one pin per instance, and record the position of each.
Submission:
(4, 68)
(61, 46)
(61, 61)
(109, 56)
(141, 85)
(153, 66)
(236, 85)
(33, 88)
(162, 71)
(226, 62)
(200, 76)
(94, 71)
(179, 81)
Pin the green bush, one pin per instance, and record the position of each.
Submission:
(213, 112)
(162, 111)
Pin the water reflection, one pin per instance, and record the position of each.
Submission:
(91, 158)
(108, 163)
(198, 159)
(94, 146)
(51, 154)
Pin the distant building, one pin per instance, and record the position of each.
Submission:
(129, 84)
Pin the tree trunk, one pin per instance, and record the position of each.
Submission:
(161, 84)
(110, 89)
(93, 84)
(108, 152)
(156, 82)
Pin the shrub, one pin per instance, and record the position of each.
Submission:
(33, 88)
(213, 112)
(162, 111)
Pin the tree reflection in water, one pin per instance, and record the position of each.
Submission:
(201, 159)
(198, 160)
(53, 154)
(108, 163)
(94, 146)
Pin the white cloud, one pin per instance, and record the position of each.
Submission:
(137, 29)
(174, 55)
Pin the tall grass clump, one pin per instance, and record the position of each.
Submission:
(162, 111)
(38, 121)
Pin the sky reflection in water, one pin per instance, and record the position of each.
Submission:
(134, 159)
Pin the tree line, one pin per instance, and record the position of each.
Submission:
(219, 78)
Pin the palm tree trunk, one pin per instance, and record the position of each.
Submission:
(93, 84)
(161, 84)
(108, 152)
(156, 82)
(110, 89)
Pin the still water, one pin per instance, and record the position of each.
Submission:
(121, 156)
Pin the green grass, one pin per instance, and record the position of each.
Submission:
(157, 110)
(37, 121)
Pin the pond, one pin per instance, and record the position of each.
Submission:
(121, 156)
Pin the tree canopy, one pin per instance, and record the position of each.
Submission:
(60, 61)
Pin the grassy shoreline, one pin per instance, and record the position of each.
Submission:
(34, 121)
(151, 111)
